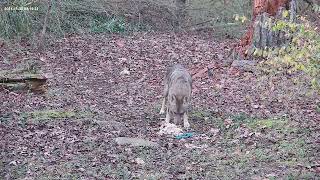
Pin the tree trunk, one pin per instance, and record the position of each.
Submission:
(181, 12)
(44, 27)
(260, 34)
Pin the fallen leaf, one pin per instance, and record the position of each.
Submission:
(139, 161)
(125, 71)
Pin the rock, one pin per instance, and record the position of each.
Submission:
(135, 142)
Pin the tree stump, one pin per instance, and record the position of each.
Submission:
(260, 34)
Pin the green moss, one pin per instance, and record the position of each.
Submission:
(268, 123)
(50, 114)
(200, 114)
(296, 148)
(300, 175)
(261, 155)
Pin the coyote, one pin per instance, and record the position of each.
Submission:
(177, 94)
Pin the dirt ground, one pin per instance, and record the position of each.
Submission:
(103, 87)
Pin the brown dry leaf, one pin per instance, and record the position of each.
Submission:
(120, 43)
(101, 109)
(228, 123)
(237, 152)
(214, 131)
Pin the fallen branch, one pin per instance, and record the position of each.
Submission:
(34, 82)
(22, 79)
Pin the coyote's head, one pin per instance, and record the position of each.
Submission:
(179, 99)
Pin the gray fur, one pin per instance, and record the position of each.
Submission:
(177, 94)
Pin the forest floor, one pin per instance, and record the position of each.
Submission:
(103, 87)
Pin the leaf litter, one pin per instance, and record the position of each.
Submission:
(118, 82)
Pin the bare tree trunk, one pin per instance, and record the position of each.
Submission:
(181, 12)
(44, 28)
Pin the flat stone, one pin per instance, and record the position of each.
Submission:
(135, 142)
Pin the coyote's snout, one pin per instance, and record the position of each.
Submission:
(177, 94)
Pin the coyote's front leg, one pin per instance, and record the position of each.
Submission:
(168, 116)
(163, 107)
(185, 121)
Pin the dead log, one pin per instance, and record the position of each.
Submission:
(34, 82)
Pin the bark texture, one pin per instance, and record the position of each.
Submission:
(260, 33)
